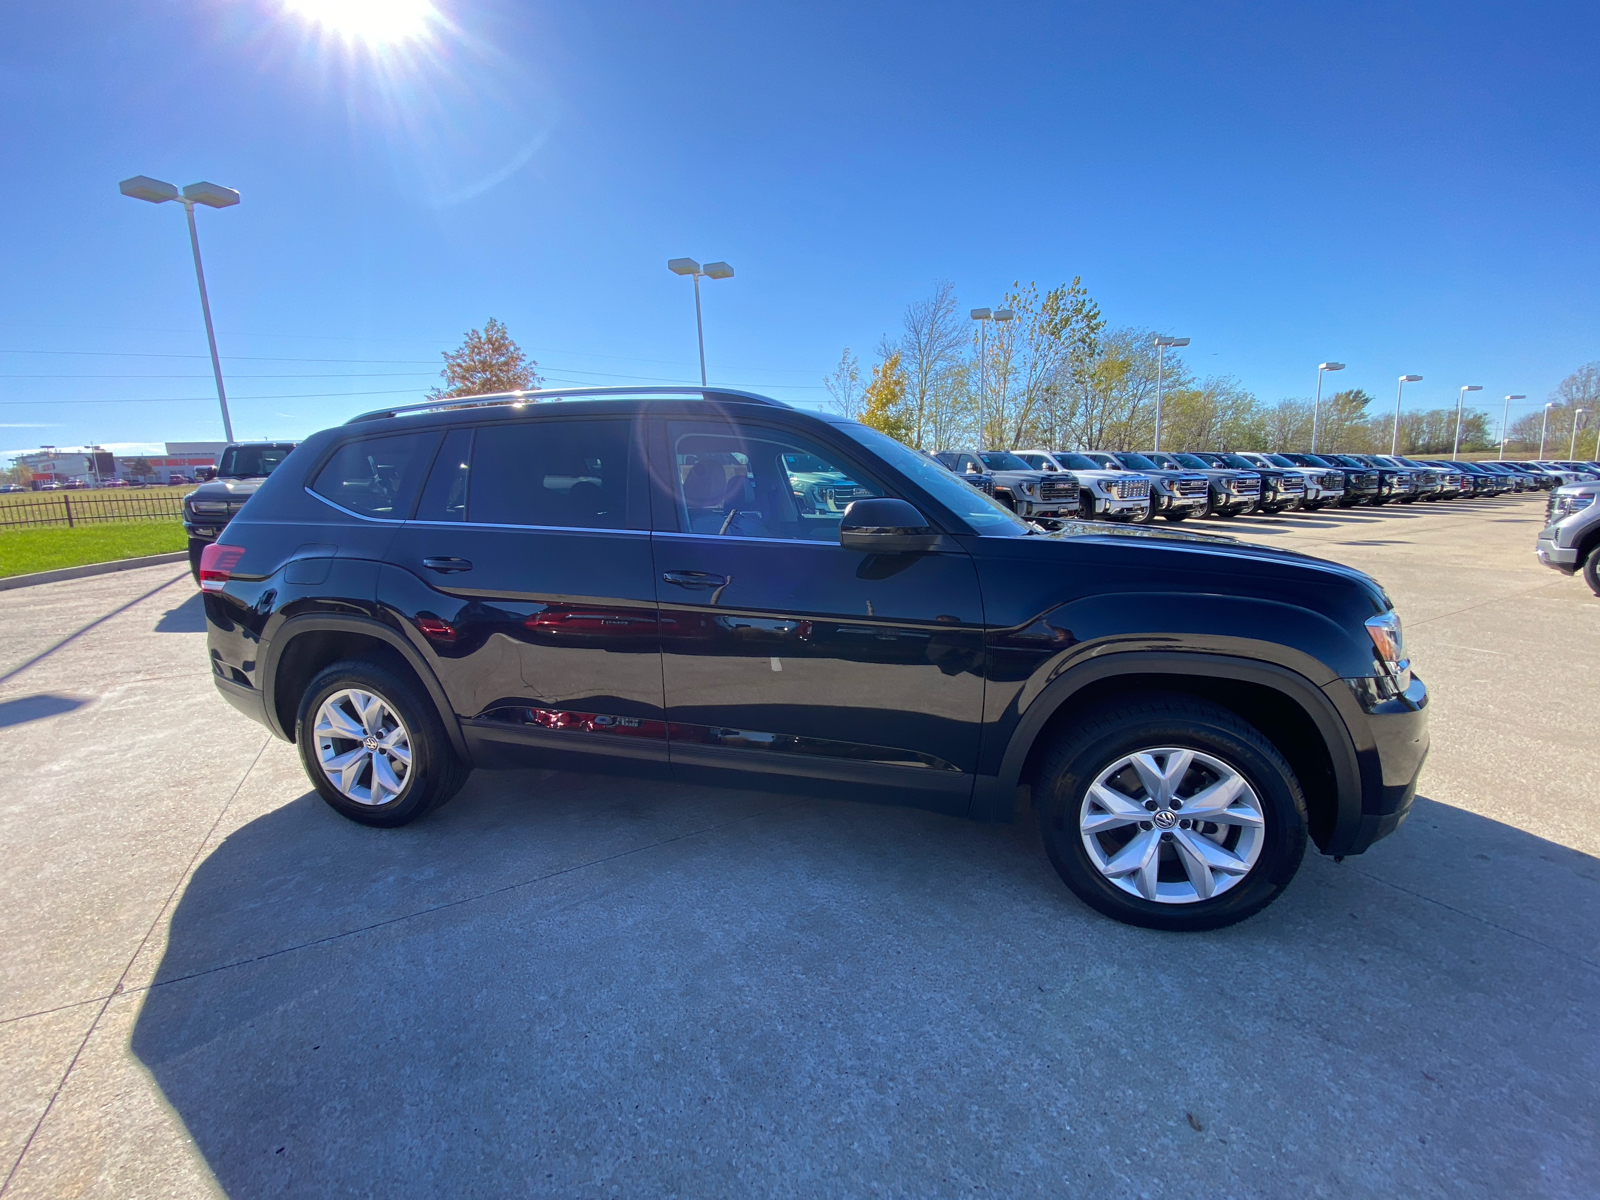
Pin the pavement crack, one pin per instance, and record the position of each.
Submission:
(1516, 933)
(121, 988)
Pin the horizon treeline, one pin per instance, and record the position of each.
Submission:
(1057, 376)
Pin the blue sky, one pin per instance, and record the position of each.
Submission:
(1404, 188)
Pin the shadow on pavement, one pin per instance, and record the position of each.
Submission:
(37, 708)
(568, 986)
(188, 617)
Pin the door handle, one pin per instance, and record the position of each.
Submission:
(445, 565)
(695, 579)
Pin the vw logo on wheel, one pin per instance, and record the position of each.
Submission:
(1165, 819)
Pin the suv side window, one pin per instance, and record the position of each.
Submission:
(760, 483)
(378, 476)
(563, 473)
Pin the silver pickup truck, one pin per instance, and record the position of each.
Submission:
(1570, 539)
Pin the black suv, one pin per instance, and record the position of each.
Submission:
(645, 582)
(239, 472)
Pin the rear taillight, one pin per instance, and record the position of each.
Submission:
(216, 565)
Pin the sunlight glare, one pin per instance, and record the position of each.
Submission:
(372, 22)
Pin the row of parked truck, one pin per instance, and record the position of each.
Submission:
(1125, 485)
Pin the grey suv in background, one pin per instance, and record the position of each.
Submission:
(1570, 539)
(1026, 492)
(1103, 492)
(1175, 495)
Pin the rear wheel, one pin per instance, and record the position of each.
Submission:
(1171, 812)
(373, 745)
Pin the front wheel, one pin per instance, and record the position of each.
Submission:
(1171, 812)
(373, 745)
(1591, 571)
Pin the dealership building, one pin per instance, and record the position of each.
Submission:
(92, 465)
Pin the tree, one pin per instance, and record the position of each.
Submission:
(1581, 389)
(884, 405)
(140, 468)
(930, 347)
(1345, 428)
(487, 362)
(844, 385)
(1033, 358)
(1289, 425)
(18, 472)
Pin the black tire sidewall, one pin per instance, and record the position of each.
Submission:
(431, 754)
(1192, 725)
(1591, 570)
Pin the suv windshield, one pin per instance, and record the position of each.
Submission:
(1193, 460)
(1278, 460)
(252, 462)
(999, 460)
(1239, 460)
(985, 514)
(1313, 460)
(1136, 462)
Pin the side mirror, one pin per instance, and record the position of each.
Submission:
(886, 526)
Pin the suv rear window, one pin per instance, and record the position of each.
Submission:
(377, 477)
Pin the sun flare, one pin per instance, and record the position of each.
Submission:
(371, 22)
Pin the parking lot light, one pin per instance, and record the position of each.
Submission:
(1161, 349)
(1544, 428)
(1394, 443)
(1316, 405)
(156, 191)
(985, 315)
(1504, 418)
(716, 270)
(1460, 399)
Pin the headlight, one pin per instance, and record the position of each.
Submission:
(1564, 506)
(1389, 642)
(210, 507)
(1028, 488)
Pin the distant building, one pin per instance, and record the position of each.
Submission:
(94, 465)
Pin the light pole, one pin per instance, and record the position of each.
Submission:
(1572, 450)
(1544, 428)
(1161, 350)
(1505, 418)
(1394, 443)
(1316, 406)
(1460, 399)
(142, 187)
(716, 270)
(985, 315)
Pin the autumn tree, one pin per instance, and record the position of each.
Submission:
(930, 346)
(488, 361)
(884, 406)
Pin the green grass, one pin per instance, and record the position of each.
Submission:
(23, 551)
(96, 494)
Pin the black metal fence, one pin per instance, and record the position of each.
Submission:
(72, 511)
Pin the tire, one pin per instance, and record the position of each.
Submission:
(1268, 839)
(1005, 498)
(1175, 517)
(1146, 517)
(1591, 570)
(407, 721)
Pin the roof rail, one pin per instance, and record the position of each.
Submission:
(542, 395)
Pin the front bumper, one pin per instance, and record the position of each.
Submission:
(1045, 508)
(1553, 554)
(1391, 745)
(1110, 506)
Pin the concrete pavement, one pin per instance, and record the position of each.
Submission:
(573, 986)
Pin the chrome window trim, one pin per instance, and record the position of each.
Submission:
(352, 512)
(540, 528)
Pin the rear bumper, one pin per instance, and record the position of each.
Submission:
(243, 697)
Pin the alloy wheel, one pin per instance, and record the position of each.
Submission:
(363, 746)
(1172, 825)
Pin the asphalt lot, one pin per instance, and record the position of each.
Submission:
(574, 986)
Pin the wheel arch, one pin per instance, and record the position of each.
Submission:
(1288, 708)
(303, 646)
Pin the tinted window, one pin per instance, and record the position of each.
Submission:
(999, 460)
(1136, 462)
(252, 462)
(445, 497)
(1078, 462)
(763, 483)
(572, 474)
(377, 477)
(1192, 461)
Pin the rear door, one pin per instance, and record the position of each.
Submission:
(526, 575)
(786, 654)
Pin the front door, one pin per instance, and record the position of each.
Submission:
(784, 653)
(527, 574)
